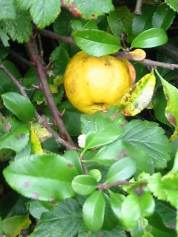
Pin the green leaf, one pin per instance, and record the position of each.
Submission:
(156, 150)
(93, 211)
(60, 59)
(64, 220)
(110, 153)
(102, 138)
(120, 21)
(172, 4)
(147, 204)
(96, 174)
(16, 139)
(7, 9)
(163, 17)
(130, 211)
(150, 38)
(121, 170)
(19, 29)
(96, 42)
(37, 208)
(19, 105)
(43, 12)
(171, 111)
(84, 184)
(74, 158)
(91, 9)
(12, 226)
(116, 201)
(140, 96)
(81, 24)
(32, 177)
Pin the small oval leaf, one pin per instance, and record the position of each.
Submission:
(121, 170)
(96, 42)
(84, 184)
(93, 211)
(19, 105)
(150, 38)
(140, 96)
(116, 201)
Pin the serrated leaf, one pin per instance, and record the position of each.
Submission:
(32, 177)
(150, 38)
(93, 211)
(171, 110)
(163, 17)
(19, 29)
(90, 9)
(140, 96)
(84, 184)
(64, 220)
(149, 138)
(172, 4)
(96, 42)
(16, 139)
(44, 12)
(19, 106)
(121, 170)
(120, 21)
(7, 9)
(12, 226)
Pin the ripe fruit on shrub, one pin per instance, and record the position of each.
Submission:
(95, 83)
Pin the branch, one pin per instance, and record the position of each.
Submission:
(106, 186)
(149, 62)
(14, 80)
(138, 7)
(43, 122)
(37, 60)
(54, 36)
(20, 58)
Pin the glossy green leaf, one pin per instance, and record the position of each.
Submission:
(102, 137)
(147, 204)
(121, 170)
(96, 174)
(63, 220)
(12, 226)
(140, 96)
(84, 184)
(45, 177)
(19, 105)
(172, 4)
(110, 153)
(163, 17)
(16, 139)
(96, 42)
(74, 158)
(115, 201)
(130, 211)
(171, 111)
(93, 211)
(150, 38)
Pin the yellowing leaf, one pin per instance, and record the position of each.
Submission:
(171, 111)
(35, 142)
(138, 54)
(53, 89)
(140, 96)
(41, 132)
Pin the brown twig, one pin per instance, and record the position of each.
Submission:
(36, 59)
(149, 62)
(41, 120)
(138, 7)
(20, 58)
(14, 80)
(106, 186)
(54, 36)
